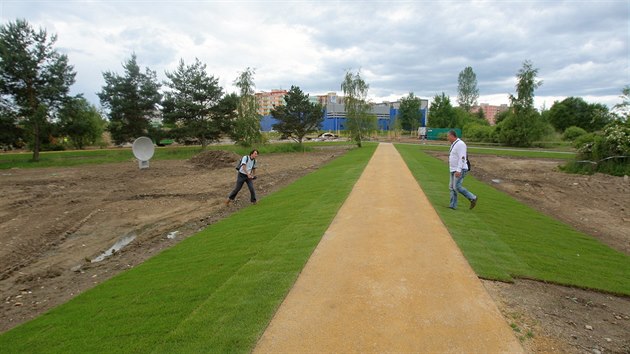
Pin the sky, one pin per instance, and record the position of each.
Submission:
(580, 48)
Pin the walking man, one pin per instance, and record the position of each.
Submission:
(245, 175)
(458, 166)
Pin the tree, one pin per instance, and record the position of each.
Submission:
(299, 116)
(467, 89)
(11, 135)
(409, 112)
(574, 111)
(34, 78)
(246, 130)
(131, 100)
(442, 114)
(81, 122)
(525, 86)
(358, 117)
(191, 102)
(622, 110)
(523, 125)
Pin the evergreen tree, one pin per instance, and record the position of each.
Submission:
(191, 102)
(131, 100)
(299, 116)
(34, 78)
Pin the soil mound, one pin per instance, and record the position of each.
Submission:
(215, 159)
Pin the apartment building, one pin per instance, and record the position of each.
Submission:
(267, 100)
(490, 111)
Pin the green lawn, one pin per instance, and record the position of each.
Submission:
(84, 157)
(520, 152)
(214, 292)
(503, 238)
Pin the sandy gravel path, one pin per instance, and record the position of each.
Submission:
(387, 277)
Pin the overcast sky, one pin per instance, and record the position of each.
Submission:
(581, 48)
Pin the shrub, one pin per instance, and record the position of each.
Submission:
(478, 132)
(605, 152)
(572, 133)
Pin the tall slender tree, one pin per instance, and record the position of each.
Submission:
(468, 93)
(131, 100)
(523, 125)
(34, 78)
(246, 129)
(358, 117)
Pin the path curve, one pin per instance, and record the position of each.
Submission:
(387, 277)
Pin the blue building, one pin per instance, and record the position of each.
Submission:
(335, 116)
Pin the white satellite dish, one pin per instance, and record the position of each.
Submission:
(143, 150)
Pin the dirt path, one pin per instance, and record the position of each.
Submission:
(393, 282)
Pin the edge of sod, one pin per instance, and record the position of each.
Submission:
(504, 239)
(213, 292)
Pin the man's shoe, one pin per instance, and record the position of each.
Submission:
(473, 202)
(227, 202)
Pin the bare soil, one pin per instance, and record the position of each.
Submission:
(56, 222)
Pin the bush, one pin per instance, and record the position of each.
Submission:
(605, 152)
(572, 133)
(478, 133)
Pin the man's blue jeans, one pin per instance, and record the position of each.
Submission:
(455, 185)
(242, 178)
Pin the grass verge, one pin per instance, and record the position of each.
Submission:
(564, 155)
(503, 238)
(213, 292)
(83, 157)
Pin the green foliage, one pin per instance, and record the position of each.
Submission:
(520, 131)
(475, 132)
(622, 110)
(299, 116)
(34, 78)
(213, 292)
(606, 152)
(572, 133)
(468, 93)
(246, 129)
(81, 122)
(192, 103)
(574, 111)
(131, 100)
(442, 114)
(522, 125)
(542, 248)
(11, 135)
(360, 123)
(409, 113)
(523, 103)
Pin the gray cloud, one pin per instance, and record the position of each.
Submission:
(580, 47)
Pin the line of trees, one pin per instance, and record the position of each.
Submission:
(36, 108)
(601, 136)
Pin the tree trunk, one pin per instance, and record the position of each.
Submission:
(36, 142)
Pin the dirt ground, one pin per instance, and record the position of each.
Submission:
(56, 225)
